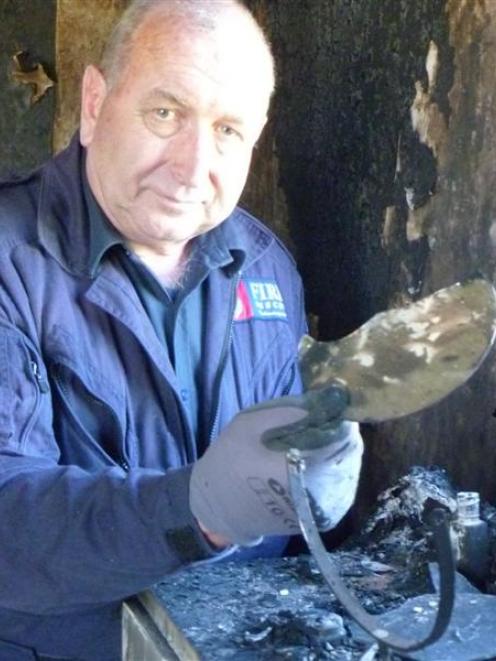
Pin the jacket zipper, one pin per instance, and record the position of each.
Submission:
(121, 461)
(42, 383)
(223, 359)
(41, 387)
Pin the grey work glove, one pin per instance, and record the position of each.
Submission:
(239, 488)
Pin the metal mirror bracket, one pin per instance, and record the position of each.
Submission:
(439, 524)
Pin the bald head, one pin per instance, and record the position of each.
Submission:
(224, 18)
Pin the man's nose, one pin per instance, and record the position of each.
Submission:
(194, 156)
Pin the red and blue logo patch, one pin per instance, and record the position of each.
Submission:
(259, 299)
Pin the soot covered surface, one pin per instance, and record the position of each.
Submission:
(274, 609)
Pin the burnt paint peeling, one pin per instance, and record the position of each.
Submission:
(347, 74)
(25, 129)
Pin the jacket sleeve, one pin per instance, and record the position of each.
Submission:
(72, 538)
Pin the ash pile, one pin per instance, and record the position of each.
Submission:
(396, 533)
(275, 609)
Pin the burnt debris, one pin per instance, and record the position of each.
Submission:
(274, 609)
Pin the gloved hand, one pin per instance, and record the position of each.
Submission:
(239, 488)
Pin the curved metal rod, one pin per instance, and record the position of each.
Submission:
(372, 623)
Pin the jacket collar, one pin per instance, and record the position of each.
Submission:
(103, 235)
(65, 230)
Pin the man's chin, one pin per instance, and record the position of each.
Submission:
(181, 229)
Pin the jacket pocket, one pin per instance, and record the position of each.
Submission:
(25, 406)
(11, 652)
(88, 428)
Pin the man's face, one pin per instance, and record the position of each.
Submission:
(169, 145)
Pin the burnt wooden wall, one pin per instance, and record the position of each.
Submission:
(377, 167)
(383, 141)
(25, 130)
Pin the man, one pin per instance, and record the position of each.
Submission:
(140, 312)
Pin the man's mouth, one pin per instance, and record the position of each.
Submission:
(179, 204)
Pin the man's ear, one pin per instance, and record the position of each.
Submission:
(93, 93)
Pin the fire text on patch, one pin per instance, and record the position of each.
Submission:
(259, 299)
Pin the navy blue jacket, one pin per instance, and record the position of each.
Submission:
(95, 450)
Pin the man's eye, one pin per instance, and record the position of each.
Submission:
(163, 122)
(163, 113)
(228, 131)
